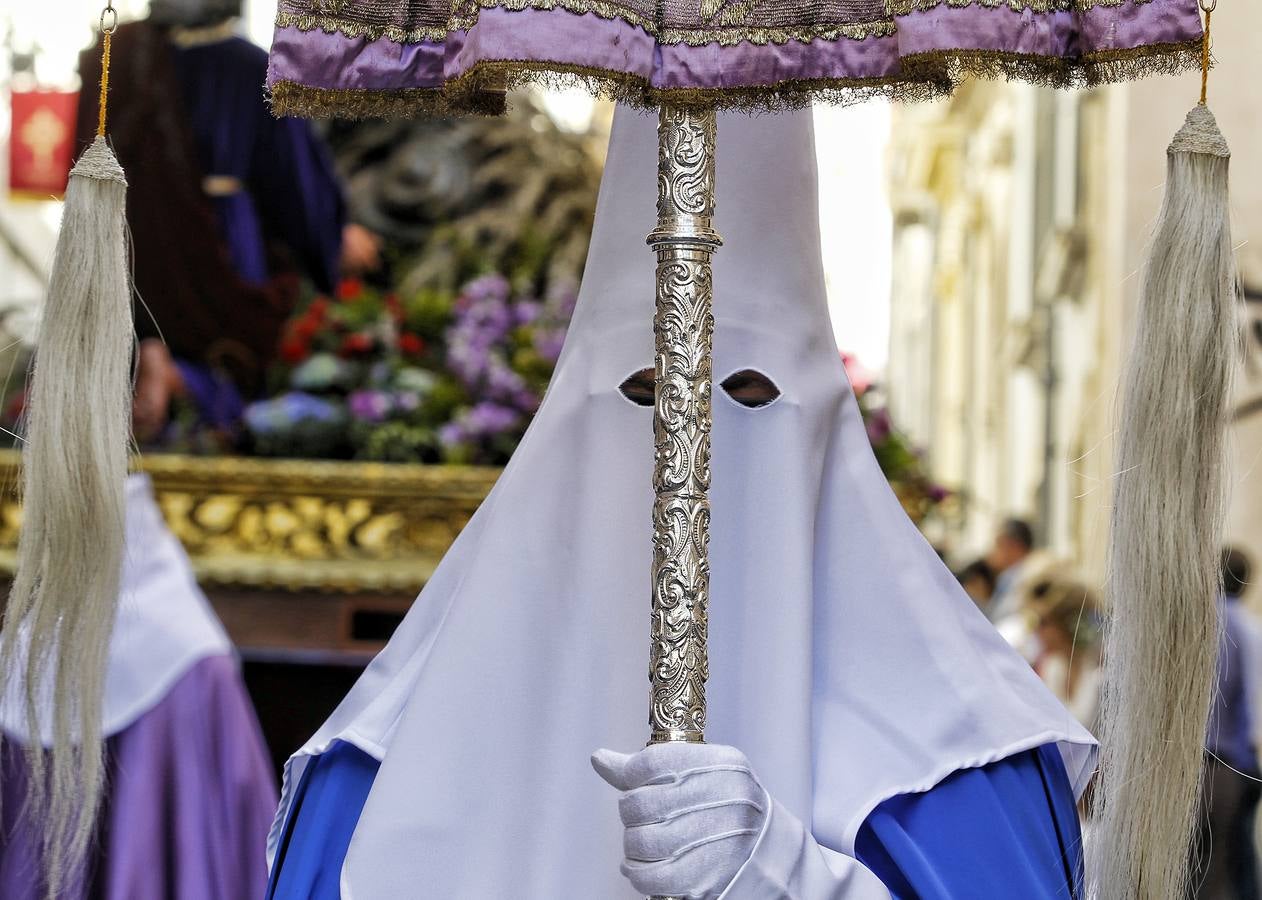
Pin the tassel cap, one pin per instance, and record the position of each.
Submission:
(99, 162)
(1200, 134)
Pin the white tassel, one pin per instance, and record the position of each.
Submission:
(61, 610)
(1169, 500)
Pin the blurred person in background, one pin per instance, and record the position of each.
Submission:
(978, 582)
(1012, 546)
(230, 209)
(1226, 860)
(1066, 622)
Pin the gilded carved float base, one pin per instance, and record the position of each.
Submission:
(298, 525)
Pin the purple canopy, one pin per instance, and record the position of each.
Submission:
(370, 58)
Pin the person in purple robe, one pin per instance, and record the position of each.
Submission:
(190, 787)
(230, 209)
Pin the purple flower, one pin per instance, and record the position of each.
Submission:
(879, 426)
(937, 493)
(527, 311)
(451, 434)
(406, 401)
(468, 359)
(480, 324)
(369, 405)
(494, 287)
(480, 343)
(548, 343)
(501, 381)
(526, 400)
(489, 320)
(487, 419)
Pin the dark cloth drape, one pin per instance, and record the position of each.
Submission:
(1224, 863)
(216, 275)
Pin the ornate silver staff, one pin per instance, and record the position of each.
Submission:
(683, 326)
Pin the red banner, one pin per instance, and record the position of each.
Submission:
(41, 142)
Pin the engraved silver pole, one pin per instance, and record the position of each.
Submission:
(683, 324)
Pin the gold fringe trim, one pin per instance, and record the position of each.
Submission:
(732, 35)
(1040, 7)
(728, 35)
(634, 91)
(923, 77)
(288, 98)
(1092, 70)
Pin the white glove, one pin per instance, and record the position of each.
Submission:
(692, 814)
(699, 825)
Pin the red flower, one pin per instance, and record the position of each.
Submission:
(349, 289)
(16, 407)
(318, 309)
(305, 329)
(293, 350)
(411, 344)
(356, 343)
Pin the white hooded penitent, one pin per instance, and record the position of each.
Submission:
(846, 662)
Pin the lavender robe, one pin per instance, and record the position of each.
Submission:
(191, 796)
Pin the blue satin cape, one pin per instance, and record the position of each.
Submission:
(1009, 829)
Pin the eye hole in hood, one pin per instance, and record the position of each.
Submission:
(638, 388)
(748, 387)
(751, 388)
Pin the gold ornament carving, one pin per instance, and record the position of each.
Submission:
(299, 525)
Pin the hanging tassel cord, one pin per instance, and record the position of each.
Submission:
(1164, 569)
(1207, 8)
(62, 605)
(109, 24)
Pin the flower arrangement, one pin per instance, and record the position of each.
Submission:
(427, 378)
(457, 376)
(899, 460)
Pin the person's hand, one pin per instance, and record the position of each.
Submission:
(157, 381)
(361, 250)
(692, 814)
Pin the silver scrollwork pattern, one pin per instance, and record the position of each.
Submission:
(684, 241)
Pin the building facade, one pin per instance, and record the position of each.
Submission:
(1020, 220)
(1001, 333)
